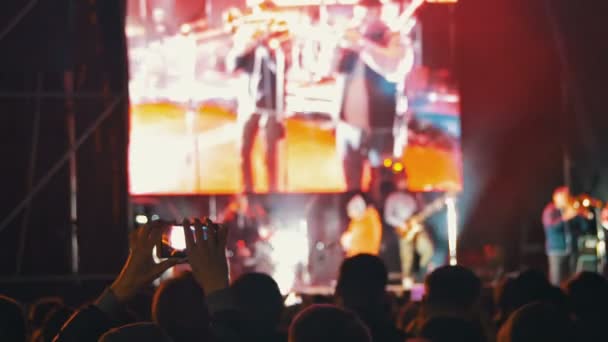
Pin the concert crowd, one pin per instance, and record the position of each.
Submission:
(204, 304)
(212, 297)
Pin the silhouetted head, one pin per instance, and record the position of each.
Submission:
(362, 281)
(54, 321)
(449, 329)
(535, 322)
(149, 332)
(562, 197)
(260, 300)
(179, 307)
(41, 308)
(588, 296)
(12, 320)
(356, 206)
(527, 287)
(452, 288)
(327, 323)
(503, 293)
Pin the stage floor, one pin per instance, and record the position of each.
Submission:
(397, 290)
(176, 151)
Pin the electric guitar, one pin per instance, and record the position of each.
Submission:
(413, 225)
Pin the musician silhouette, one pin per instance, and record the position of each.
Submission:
(369, 69)
(260, 102)
(416, 251)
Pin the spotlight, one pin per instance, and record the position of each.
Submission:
(397, 167)
(186, 29)
(274, 44)
(264, 233)
(388, 162)
(141, 219)
(320, 246)
(452, 228)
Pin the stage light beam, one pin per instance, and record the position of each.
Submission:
(452, 229)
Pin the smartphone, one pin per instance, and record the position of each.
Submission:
(417, 293)
(172, 242)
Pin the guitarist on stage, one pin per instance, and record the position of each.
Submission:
(399, 210)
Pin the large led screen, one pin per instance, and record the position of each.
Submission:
(290, 96)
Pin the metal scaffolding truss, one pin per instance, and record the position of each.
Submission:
(69, 156)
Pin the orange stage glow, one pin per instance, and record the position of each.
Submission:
(171, 153)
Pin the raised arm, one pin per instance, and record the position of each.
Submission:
(392, 61)
(140, 269)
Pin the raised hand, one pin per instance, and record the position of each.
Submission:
(346, 240)
(206, 251)
(140, 269)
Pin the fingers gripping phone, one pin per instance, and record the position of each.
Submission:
(172, 242)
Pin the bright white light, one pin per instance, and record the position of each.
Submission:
(141, 219)
(292, 299)
(155, 217)
(433, 97)
(274, 44)
(289, 251)
(186, 28)
(358, 13)
(264, 233)
(320, 246)
(190, 117)
(177, 240)
(158, 14)
(407, 283)
(601, 248)
(452, 228)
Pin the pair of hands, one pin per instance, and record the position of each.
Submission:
(205, 251)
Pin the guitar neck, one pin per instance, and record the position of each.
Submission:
(430, 209)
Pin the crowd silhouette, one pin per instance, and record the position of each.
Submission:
(203, 305)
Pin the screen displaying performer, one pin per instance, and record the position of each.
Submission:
(275, 97)
(373, 56)
(564, 222)
(259, 102)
